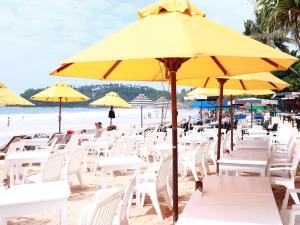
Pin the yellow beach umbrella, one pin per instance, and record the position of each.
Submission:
(171, 41)
(227, 92)
(60, 92)
(8, 97)
(111, 99)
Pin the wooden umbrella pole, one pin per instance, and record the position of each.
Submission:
(231, 123)
(172, 65)
(221, 85)
(59, 115)
(141, 116)
(251, 114)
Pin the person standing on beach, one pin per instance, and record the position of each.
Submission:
(8, 121)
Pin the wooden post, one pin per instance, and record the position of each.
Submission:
(59, 115)
(251, 114)
(221, 85)
(231, 123)
(172, 65)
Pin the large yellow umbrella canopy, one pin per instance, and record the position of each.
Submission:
(111, 99)
(173, 40)
(60, 92)
(7, 97)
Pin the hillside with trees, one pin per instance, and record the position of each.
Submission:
(128, 92)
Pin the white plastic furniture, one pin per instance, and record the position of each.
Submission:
(290, 215)
(50, 171)
(74, 164)
(195, 160)
(31, 199)
(232, 200)
(35, 142)
(244, 161)
(284, 174)
(16, 159)
(102, 211)
(156, 187)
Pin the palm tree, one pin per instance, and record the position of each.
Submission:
(284, 14)
(257, 31)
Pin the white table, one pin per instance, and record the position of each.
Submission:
(108, 164)
(232, 201)
(99, 146)
(262, 145)
(244, 161)
(34, 198)
(16, 159)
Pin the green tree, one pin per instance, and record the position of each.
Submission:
(281, 14)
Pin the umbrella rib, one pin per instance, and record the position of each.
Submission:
(111, 69)
(273, 85)
(271, 62)
(63, 67)
(206, 82)
(243, 85)
(214, 58)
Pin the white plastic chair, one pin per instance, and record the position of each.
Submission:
(290, 216)
(74, 164)
(195, 161)
(156, 187)
(284, 174)
(51, 170)
(124, 209)
(102, 211)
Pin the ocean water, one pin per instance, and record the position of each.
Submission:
(32, 120)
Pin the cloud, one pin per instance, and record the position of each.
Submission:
(35, 36)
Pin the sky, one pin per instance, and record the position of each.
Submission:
(36, 36)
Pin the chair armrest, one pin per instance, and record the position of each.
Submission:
(281, 164)
(280, 169)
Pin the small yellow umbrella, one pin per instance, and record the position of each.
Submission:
(60, 92)
(7, 97)
(111, 99)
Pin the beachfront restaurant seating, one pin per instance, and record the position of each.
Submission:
(154, 186)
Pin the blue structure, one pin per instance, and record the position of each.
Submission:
(202, 104)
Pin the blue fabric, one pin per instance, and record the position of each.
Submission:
(258, 116)
(204, 105)
(239, 116)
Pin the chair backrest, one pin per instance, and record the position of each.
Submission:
(52, 170)
(200, 158)
(12, 140)
(125, 205)
(103, 210)
(14, 147)
(295, 162)
(118, 148)
(75, 160)
(130, 147)
(162, 176)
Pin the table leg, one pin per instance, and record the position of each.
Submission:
(64, 214)
(17, 173)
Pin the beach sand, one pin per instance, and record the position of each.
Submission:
(138, 216)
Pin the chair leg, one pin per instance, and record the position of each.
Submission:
(154, 199)
(79, 179)
(167, 199)
(194, 172)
